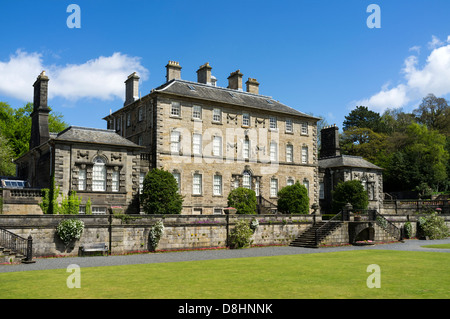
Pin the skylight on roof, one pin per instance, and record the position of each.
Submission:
(232, 95)
(191, 87)
(269, 101)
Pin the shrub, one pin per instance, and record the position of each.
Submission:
(160, 193)
(240, 236)
(293, 199)
(243, 199)
(352, 192)
(70, 205)
(69, 229)
(433, 226)
(155, 235)
(408, 229)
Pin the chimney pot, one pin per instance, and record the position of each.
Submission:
(131, 88)
(204, 74)
(235, 80)
(173, 71)
(252, 86)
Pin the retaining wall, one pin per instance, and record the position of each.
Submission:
(130, 233)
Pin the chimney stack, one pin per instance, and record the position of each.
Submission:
(252, 86)
(39, 117)
(235, 80)
(204, 74)
(329, 140)
(131, 88)
(173, 71)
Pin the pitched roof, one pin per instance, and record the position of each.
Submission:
(346, 161)
(229, 96)
(93, 136)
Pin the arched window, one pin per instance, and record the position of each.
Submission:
(99, 175)
(247, 180)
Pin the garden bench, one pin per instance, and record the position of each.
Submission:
(94, 247)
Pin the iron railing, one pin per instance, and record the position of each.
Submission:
(17, 244)
(324, 229)
(388, 226)
(265, 206)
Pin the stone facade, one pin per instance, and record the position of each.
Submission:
(214, 139)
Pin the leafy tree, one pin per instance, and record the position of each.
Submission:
(433, 112)
(362, 117)
(160, 193)
(293, 199)
(364, 142)
(16, 126)
(243, 199)
(7, 167)
(352, 192)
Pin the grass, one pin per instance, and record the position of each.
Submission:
(440, 246)
(404, 275)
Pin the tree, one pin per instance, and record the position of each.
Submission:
(243, 200)
(7, 167)
(362, 117)
(160, 193)
(16, 126)
(364, 142)
(433, 112)
(352, 192)
(293, 199)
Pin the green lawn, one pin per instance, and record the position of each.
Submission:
(440, 246)
(320, 275)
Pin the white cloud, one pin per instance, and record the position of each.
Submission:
(435, 42)
(100, 78)
(433, 77)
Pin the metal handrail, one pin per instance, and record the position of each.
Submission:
(16, 243)
(318, 231)
(388, 226)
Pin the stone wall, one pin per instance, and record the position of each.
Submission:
(130, 233)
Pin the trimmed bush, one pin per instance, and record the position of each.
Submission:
(160, 193)
(293, 199)
(240, 236)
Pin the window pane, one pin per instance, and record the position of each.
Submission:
(246, 119)
(177, 178)
(304, 155)
(305, 128)
(175, 109)
(273, 187)
(197, 184)
(197, 144)
(273, 122)
(197, 112)
(115, 181)
(99, 175)
(217, 146)
(289, 153)
(246, 149)
(273, 152)
(217, 185)
(246, 180)
(217, 115)
(82, 180)
(175, 142)
(289, 128)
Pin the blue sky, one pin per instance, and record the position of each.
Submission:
(317, 56)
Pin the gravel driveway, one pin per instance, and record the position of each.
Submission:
(96, 261)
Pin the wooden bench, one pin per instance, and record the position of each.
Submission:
(93, 247)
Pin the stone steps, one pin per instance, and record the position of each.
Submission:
(308, 238)
(9, 256)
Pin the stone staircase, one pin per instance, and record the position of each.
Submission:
(8, 256)
(308, 237)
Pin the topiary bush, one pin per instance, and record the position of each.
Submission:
(293, 199)
(243, 199)
(69, 230)
(160, 193)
